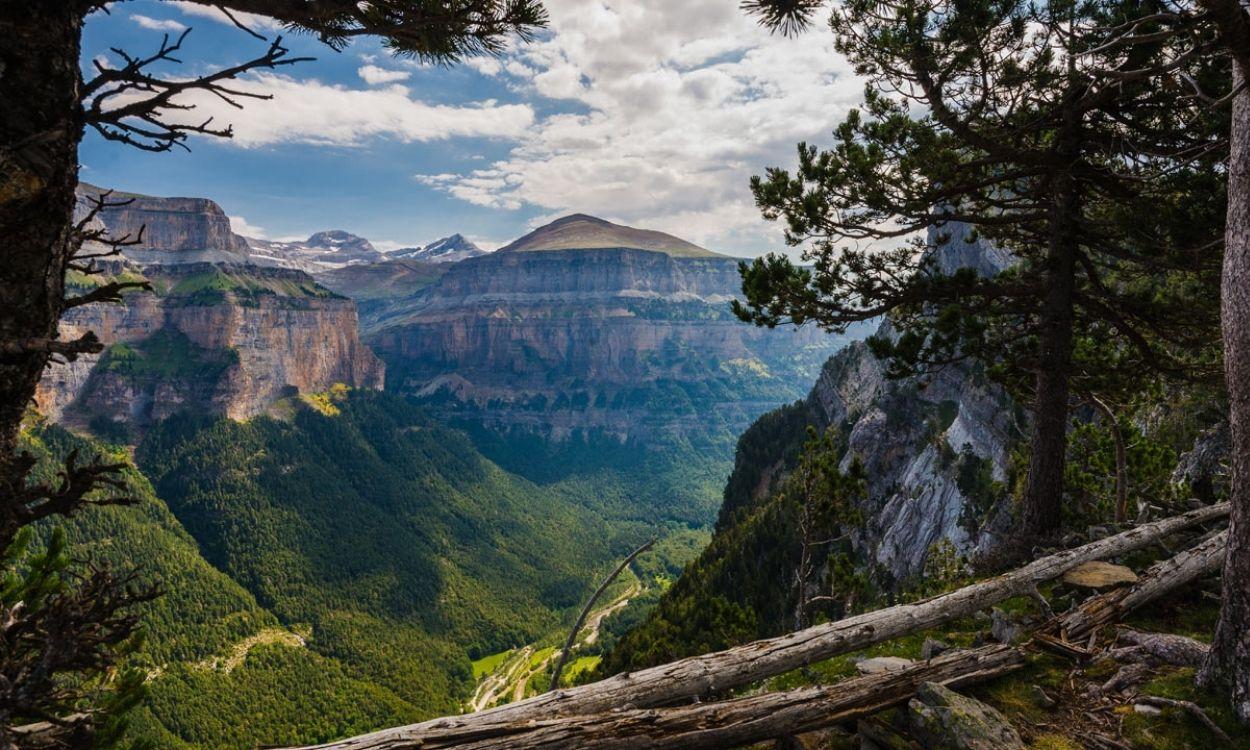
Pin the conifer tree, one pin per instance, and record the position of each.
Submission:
(1094, 164)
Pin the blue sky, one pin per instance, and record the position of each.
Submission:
(650, 112)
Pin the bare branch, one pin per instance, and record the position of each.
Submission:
(132, 106)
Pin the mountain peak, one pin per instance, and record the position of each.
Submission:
(586, 232)
(446, 250)
(335, 239)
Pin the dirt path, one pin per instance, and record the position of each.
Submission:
(500, 681)
(238, 652)
(598, 616)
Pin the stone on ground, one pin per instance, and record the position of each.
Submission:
(941, 719)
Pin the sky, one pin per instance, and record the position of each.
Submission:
(653, 113)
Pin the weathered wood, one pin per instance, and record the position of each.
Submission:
(743, 665)
(1161, 578)
(706, 725)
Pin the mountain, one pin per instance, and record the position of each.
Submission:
(447, 250)
(322, 251)
(582, 232)
(216, 338)
(596, 357)
(631, 341)
(171, 230)
(340, 554)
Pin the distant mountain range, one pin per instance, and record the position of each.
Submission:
(447, 250)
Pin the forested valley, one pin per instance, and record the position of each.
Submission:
(931, 432)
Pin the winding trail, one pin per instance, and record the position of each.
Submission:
(512, 677)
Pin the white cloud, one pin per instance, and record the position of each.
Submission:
(375, 76)
(677, 105)
(239, 225)
(309, 111)
(487, 66)
(157, 24)
(253, 21)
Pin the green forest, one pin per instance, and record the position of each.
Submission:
(356, 549)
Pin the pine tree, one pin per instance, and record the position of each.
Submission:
(1094, 164)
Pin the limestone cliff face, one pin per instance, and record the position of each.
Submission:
(174, 230)
(932, 449)
(625, 340)
(924, 450)
(219, 339)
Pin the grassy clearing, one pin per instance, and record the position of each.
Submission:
(488, 664)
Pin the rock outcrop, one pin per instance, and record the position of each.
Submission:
(173, 230)
(214, 338)
(941, 719)
(935, 450)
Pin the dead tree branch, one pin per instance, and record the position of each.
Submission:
(581, 619)
(132, 105)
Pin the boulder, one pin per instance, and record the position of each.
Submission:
(1005, 628)
(941, 719)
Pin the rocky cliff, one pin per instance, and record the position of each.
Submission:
(216, 338)
(933, 448)
(174, 230)
(629, 341)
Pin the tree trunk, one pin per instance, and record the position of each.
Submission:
(39, 134)
(708, 726)
(1044, 496)
(1228, 667)
(708, 674)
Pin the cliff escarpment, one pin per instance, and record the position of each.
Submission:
(169, 230)
(629, 341)
(216, 338)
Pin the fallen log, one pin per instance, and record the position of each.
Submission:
(708, 725)
(741, 721)
(743, 665)
(1162, 577)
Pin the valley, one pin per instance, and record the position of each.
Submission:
(373, 460)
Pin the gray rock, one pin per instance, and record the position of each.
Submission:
(1205, 466)
(932, 647)
(1004, 627)
(1040, 697)
(941, 719)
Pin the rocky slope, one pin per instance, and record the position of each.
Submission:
(612, 337)
(932, 448)
(217, 338)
